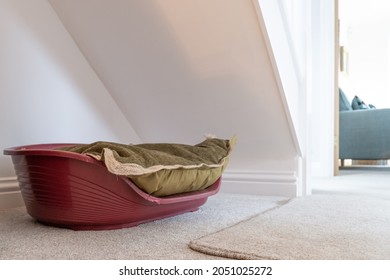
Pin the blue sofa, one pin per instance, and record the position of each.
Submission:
(364, 132)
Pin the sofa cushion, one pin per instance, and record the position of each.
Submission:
(344, 104)
(358, 104)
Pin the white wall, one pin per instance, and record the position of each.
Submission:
(176, 69)
(322, 90)
(281, 49)
(181, 69)
(367, 42)
(48, 91)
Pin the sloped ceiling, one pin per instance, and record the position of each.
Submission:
(179, 69)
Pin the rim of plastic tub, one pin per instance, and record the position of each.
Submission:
(50, 149)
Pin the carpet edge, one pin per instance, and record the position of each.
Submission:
(219, 252)
(213, 251)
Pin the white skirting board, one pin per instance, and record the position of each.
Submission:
(270, 183)
(10, 195)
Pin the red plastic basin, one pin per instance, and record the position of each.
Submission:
(75, 191)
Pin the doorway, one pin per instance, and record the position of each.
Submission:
(363, 57)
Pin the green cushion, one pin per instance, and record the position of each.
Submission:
(163, 169)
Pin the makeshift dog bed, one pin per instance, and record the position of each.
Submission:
(105, 185)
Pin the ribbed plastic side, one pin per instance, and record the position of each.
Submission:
(70, 193)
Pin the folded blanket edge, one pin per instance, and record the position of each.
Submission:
(133, 169)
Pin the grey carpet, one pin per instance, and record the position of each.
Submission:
(347, 217)
(349, 214)
(23, 238)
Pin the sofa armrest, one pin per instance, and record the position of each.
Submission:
(365, 134)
